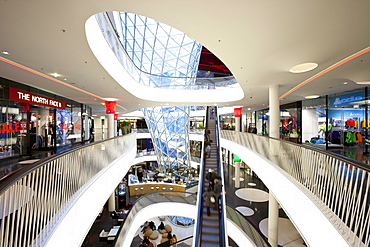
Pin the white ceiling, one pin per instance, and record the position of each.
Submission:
(259, 41)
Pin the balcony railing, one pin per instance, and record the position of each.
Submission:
(247, 227)
(151, 80)
(35, 199)
(147, 200)
(338, 185)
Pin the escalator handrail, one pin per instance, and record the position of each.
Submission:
(199, 219)
(223, 232)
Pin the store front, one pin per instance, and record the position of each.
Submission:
(290, 122)
(33, 120)
(336, 122)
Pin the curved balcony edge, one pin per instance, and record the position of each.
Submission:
(104, 54)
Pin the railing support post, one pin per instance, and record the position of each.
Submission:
(273, 221)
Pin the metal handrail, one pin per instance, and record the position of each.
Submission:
(197, 226)
(153, 80)
(35, 199)
(222, 197)
(147, 200)
(339, 186)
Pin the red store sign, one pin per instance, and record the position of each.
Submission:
(35, 99)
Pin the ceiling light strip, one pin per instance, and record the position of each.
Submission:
(52, 79)
(326, 71)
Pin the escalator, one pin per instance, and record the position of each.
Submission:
(210, 230)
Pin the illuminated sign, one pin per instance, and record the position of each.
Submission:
(35, 99)
(110, 107)
(237, 112)
(347, 98)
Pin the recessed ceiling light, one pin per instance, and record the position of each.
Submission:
(110, 99)
(55, 74)
(363, 82)
(312, 96)
(249, 109)
(345, 83)
(304, 67)
(65, 79)
(5, 52)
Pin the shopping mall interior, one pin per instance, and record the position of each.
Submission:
(184, 123)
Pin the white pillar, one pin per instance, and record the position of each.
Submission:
(86, 128)
(274, 122)
(273, 221)
(112, 202)
(237, 124)
(237, 174)
(115, 127)
(274, 118)
(111, 125)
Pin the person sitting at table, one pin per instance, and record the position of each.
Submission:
(161, 226)
(145, 226)
(152, 225)
(146, 241)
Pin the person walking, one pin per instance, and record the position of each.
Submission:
(208, 151)
(212, 110)
(217, 189)
(211, 175)
(209, 200)
(207, 134)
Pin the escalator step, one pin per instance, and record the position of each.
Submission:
(210, 230)
(210, 238)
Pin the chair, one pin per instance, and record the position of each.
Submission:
(142, 190)
(136, 191)
(154, 235)
(168, 228)
(164, 188)
(148, 232)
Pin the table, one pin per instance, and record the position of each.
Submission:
(113, 232)
(27, 162)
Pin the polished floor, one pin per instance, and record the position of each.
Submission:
(251, 200)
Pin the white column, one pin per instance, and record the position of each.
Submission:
(274, 118)
(274, 122)
(111, 125)
(112, 202)
(273, 221)
(115, 127)
(237, 124)
(86, 128)
(237, 174)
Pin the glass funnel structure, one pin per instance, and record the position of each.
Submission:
(158, 49)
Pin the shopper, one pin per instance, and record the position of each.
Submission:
(217, 189)
(211, 175)
(209, 200)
